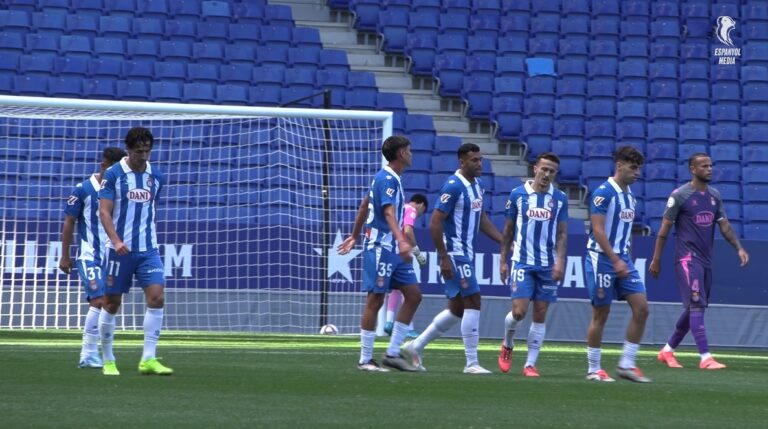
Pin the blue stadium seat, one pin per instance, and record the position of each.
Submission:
(573, 49)
(138, 70)
(756, 230)
(510, 67)
(105, 47)
(148, 28)
(199, 92)
(419, 124)
(600, 108)
(215, 11)
(753, 115)
(63, 86)
(659, 189)
(6, 84)
(725, 133)
(165, 91)
(544, 47)
(449, 70)
(755, 212)
(507, 115)
(454, 24)
(132, 90)
(31, 85)
(755, 155)
(391, 101)
(726, 92)
(723, 113)
(484, 25)
(213, 32)
(662, 133)
(12, 43)
(565, 108)
(74, 66)
(241, 55)
(236, 74)
(331, 59)
(170, 71)
(634, 50)
(684, 151)
(100, 88)
(478, 93)
(698, 72)
(695, 113)
(694, 133)
(660, 170)
(420, 48)
(75, 46)
(514, 26)
(178, 30)
(416, 182)
(203, 73)
(752, 193)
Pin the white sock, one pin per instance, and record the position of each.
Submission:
(535, 340)
(593, 359)
(390, 316)
(705, 356)
(410, 326)
(440, 324)
(510, 324)
(91, 332)
(367, 338)
(153, 323)
(628, 355)
(399, 331)
(470, 333)
(667, 348)
(107, 334)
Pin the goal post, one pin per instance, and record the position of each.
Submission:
(256, 201)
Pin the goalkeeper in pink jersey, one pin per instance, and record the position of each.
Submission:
(416, 207)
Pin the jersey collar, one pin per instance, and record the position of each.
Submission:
(389, 170)
(462, 178)
(616, 186)
(127, 169)
(530, 190)
(95, 183)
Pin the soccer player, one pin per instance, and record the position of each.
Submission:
(609, 270)
(83, 209)
(537, 217)
(694, 208)
(415, 208)
(127, 204)
(454, 227)
(387, 260)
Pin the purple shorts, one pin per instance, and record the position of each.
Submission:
(694, 281)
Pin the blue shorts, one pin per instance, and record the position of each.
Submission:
(532, 282)
(384, 270)
(695, 283)
(464, 281)
(147, 267)
(91, 277)
(603, 285)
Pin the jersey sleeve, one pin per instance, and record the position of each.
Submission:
(674, 202)
(562, 214)
(510, 209)
(720, 215)
(108, 185)
(449, 194)
(75, 202)
(601, 199)
(387, 190)
(410, 216)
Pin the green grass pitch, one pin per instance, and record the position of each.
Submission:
(284, 381)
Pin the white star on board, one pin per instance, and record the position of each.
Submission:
(339, 263)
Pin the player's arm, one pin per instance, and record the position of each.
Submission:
(506, 246)
(598, 230)
(489, 228)
(730, 236)
(661, 240)
(409, 234)
(67, 233)
(350, 241)
(391, 218)
(105, 214)
(436, 231)
(561, 244)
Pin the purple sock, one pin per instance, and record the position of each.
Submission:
(681, 328)
(699, 334)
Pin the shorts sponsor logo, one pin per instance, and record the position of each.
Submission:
(155, 270)
(539, 214)
(139, 195)
(552, 287)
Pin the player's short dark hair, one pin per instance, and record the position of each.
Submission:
(549, 156)
(113, 154)
(137, 135)
(693, 157)
(628, 154)
(467, 148)
(392, 145)
(420, 199)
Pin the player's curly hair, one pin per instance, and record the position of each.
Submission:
(392, 145)
(628, 154)
(420, 199)
(113, 154)
(138, 134)
(467, 148)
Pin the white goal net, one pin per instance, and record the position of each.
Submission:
(256, 201)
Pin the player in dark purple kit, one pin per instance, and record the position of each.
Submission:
(694, 208)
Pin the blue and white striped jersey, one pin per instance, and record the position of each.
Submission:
(618, 208)
(385, 190)
(83, 204)
(135, 195)
(536, 216)
(462, 202)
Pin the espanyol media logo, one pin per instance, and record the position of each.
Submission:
(725, 24)
(726, 56)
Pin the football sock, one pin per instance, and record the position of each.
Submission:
(698, 331)
(510, 324)
(153, 323)
(667, 348)
(367, 339)
(399, 331)
(440, 324)
(107, 334)
(535, 340)
(705, 356)
(91, 332)
(470, 334)
(628, 355)
(593, 359)
(682, 327)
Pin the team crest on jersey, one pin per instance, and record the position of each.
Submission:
(445, 198)
(598, 201)
(71, 200)
(390, 191)
(712, 200)
(150, 182)
(539, 214)
(551, 203)
(477, 204)
(671, 202)
(139, 195)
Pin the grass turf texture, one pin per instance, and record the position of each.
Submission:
(236, 380)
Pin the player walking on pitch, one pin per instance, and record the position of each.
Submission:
(694, 208)
(537, 217)
(608, 269)
(386, 257)
(82, 210)
(455, 224)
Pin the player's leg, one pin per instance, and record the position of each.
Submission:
(545, 292)
(701, 283)
(469, 290)
(375, 284)
(667, 353)
(119, 272)
(394, 300)
(521, 292)
(599, 280)
(92, 279)
(151, 277)
(404, 279)
(632, 289)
